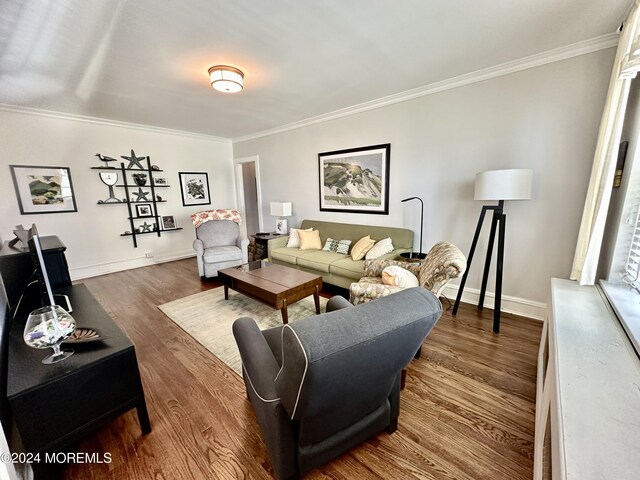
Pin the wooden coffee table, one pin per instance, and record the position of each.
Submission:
(276, 285)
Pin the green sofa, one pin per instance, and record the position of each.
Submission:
(335, 268)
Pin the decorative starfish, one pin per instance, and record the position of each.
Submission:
(141, 196)
(133, 160)
(146, 227)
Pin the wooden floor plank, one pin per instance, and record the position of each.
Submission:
(467, 411)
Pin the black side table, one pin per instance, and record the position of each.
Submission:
(260, 242)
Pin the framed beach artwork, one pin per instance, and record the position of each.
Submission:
(195, 188)
(355, 180)
(43, 189)
(168, 222)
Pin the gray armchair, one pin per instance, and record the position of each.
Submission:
(218, 245)
(324, 384)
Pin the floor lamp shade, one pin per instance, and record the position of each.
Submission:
(511, 184)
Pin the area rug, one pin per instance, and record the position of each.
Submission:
(208, 317)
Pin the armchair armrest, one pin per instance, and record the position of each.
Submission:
(337, 302)
(243, 245)
(259, 371)
(259, 365)
(198, 246)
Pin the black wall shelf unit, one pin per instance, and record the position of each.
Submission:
(124, 182)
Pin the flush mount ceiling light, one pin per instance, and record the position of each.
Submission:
(226, 79)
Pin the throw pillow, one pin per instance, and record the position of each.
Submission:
(337, 246)
(294, 237)
(310, 240)
(399, 277)
(361, 247)
(382, 247)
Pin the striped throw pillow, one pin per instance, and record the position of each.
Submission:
(337, 246)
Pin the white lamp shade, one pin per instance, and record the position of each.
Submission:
(511, 184)
(280, 209)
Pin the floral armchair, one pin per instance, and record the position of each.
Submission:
(444, 262)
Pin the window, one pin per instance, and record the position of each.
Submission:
(632, 266)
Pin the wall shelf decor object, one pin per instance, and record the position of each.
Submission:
(495, 185)
(355, 180)
(140, 196)
(43, 189)
(195, 188)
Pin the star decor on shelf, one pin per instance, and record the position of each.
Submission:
(141, 196)
(146, 227)
(133, 160)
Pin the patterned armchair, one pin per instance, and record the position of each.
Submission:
(444, 262)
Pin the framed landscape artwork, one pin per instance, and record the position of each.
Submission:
(355, 180)
(195, 188)
(43, 189)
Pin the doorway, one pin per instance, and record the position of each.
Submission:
(247, 171)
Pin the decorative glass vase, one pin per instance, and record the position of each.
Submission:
(48, 327)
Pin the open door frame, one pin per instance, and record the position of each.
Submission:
(237, 165)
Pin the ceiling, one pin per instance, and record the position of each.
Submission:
(146, 61)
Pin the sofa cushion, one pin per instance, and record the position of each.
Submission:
(347, 267)
(223, 253)
(381, 248)
(294, 237)
(337, 246)
(361, 247)
(399, 277)
(287, 254)
(310, 240)
(319, 261)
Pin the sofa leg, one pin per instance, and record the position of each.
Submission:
(393, 425)
(403, 378)
(417, 355)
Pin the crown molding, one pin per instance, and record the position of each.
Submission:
(111, 123)
(533, 61)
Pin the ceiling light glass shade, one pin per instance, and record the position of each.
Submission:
(280, 209)
(226, 79)
(511, 184)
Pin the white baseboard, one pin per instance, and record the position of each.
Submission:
(118, 266)
(515, 305)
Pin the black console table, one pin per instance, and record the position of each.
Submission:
(54, 406)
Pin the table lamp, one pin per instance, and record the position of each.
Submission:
(281, 209)
(495, 185)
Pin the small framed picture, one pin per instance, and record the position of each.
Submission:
(43, 189)
(168, 222)
(144, 210)
(160, 181)
(195, 188)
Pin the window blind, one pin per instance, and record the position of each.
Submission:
(632, 268)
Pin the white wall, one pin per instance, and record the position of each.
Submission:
(545, 118)
(92, 235)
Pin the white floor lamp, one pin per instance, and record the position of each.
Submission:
(495, 185)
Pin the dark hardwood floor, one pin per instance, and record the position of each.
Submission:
(467, 411)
